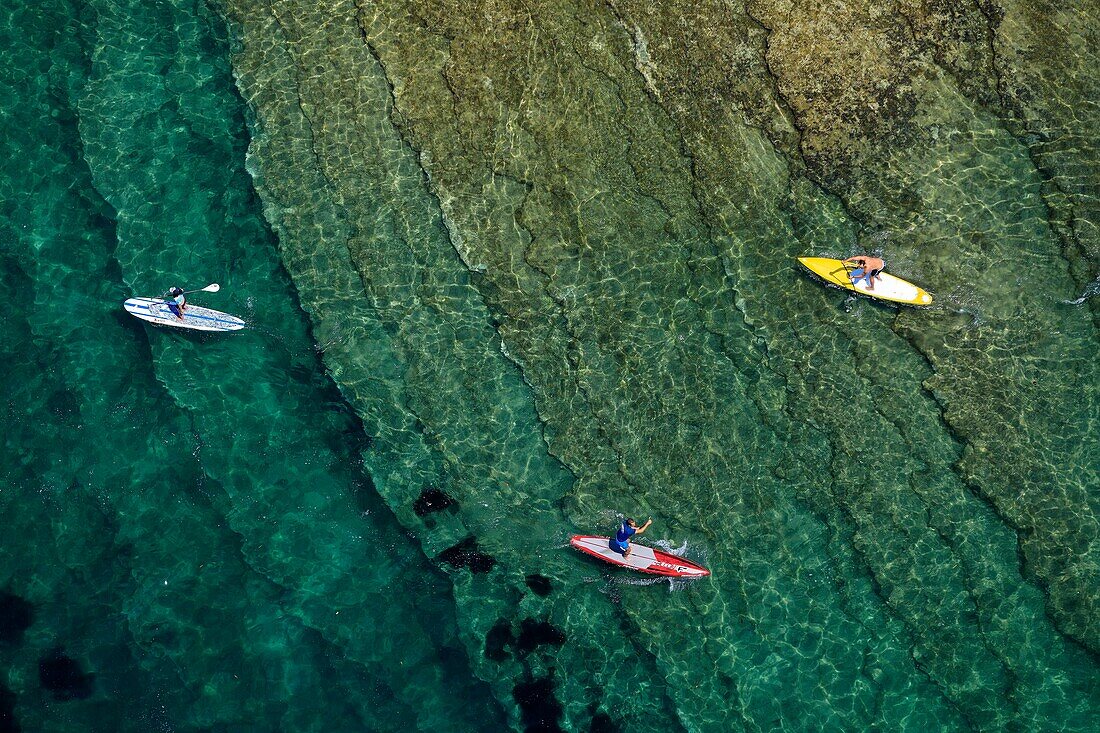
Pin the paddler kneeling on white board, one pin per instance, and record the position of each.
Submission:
(868, 267)
(621, 541)
(178, 301)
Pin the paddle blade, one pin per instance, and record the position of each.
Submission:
(212, 288)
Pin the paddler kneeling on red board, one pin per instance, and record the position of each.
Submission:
(177, 303)
(868, 267)
(621, 541)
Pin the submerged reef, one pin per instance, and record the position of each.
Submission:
(569, 228)
(515, 270)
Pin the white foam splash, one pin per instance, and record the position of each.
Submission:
(1093, 288)
(666, 545)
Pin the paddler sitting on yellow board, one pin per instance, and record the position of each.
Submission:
(869, 268)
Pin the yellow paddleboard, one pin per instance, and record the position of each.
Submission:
(887, 287)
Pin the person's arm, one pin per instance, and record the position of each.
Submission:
(644, 527)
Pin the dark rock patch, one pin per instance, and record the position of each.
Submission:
(302, 373)
(539, 710)
(497, 641)
(63, 676)
(63, 405)
(539, 584)
(533, 634)
(16, 616)
(363, 492)
(466, 554)
(602, 723)
(8, 723)
(432, 500)
(347, 436)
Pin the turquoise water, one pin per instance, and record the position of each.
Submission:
(513, 272)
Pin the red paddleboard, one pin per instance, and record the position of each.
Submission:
(642, 558)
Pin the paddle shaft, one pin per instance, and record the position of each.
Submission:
(212, 288)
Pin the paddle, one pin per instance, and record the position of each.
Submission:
(848, 269)
(211, 288)
(845, 265)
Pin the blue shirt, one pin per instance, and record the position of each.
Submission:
(625, 533)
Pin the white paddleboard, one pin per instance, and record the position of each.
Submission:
(642, 558)
(156, 310)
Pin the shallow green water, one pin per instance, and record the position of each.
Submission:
(514, 272)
